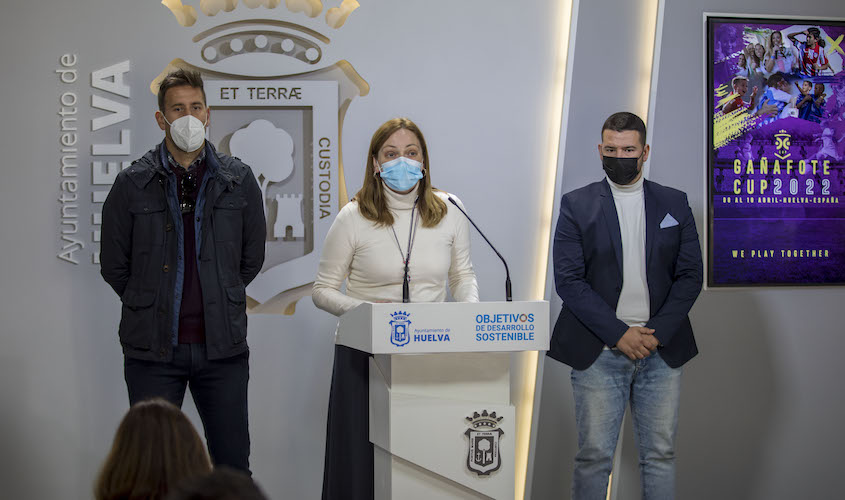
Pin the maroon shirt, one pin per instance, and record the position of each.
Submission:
(191, 318)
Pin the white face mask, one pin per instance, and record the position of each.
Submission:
(187, 132)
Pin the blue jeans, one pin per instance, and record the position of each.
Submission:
(601, 393)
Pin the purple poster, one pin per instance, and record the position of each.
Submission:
(776, 167)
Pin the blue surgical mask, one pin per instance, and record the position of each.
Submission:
(401, 174)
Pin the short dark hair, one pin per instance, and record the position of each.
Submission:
(774, 79)
(623, 120)
(224, 483)
(179, 78)
(817, 34)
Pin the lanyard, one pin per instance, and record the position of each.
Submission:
(412, 235)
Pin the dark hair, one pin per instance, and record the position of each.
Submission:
(817, 34)
(223, 483)
(621, 121)
(179, 78)
(155, 446)
(774, 79)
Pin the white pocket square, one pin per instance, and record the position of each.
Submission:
(668, 221)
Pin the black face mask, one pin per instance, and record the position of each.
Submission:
(620, 170)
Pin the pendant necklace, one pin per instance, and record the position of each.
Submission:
(412, 234)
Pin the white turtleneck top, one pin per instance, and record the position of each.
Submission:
(633, 306)
(368, 258)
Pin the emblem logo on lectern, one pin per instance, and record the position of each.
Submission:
(399, 323)
(483, 454)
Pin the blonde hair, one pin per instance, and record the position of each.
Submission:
(372, 203)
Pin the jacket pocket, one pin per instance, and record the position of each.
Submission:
(236, 307)
(137, 321)
(149, 221)
(228, 218)
(667, 242)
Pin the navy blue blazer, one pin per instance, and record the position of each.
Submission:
(587, 257)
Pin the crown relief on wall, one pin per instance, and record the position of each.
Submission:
(233, 43)
(335, 16)
(267, 48)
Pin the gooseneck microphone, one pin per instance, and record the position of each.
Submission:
(508, 296)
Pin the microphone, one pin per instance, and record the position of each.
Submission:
(507, 272)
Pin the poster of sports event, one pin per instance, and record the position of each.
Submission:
(776, 155)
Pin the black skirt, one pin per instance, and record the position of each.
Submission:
(348, 471)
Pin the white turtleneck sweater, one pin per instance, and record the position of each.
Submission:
(368, 257)
(633, 306)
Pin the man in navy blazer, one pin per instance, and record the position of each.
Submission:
(627, 265)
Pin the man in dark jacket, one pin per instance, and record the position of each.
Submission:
(182, 235)
(627, 265)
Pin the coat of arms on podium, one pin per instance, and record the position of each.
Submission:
(399, 323)
(483, 455)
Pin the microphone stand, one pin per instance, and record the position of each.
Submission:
(508, 296)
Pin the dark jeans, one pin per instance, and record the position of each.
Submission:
(219, 389)
(348, 472)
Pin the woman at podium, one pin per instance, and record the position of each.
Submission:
(395, 241)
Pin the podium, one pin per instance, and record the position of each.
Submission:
(442, 419)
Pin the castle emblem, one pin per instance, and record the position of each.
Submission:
(484, 434)
(277, 97)
(399, 333)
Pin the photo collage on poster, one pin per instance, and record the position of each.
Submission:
(776, 162)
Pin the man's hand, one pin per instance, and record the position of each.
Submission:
(807, 98)
(767, 109)
(637, 342)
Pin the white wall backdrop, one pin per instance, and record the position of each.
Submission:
(761, 408)
(475, 75)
